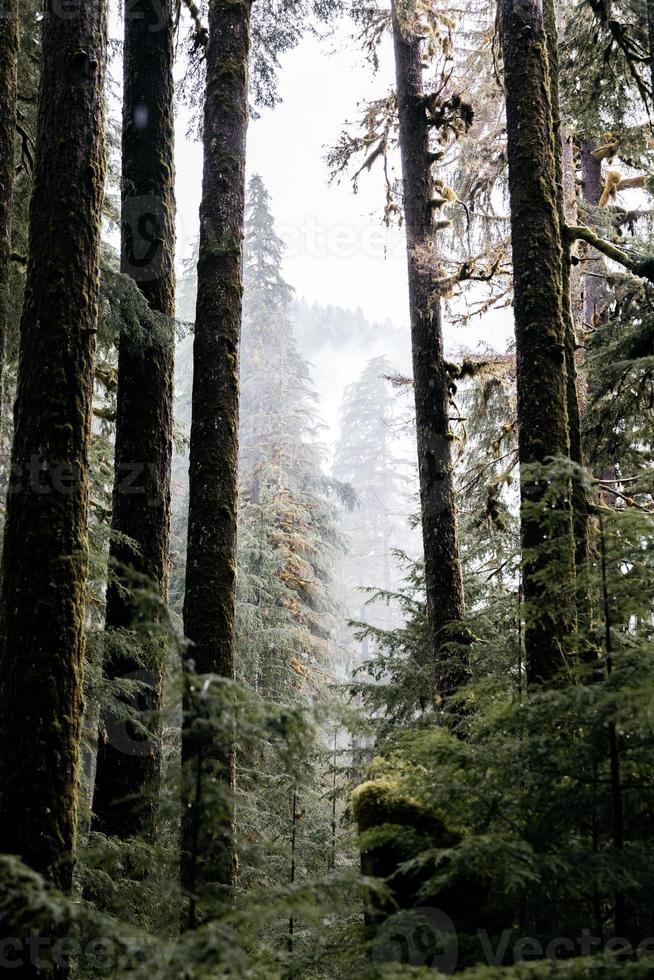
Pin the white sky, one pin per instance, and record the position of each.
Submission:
(336, 242)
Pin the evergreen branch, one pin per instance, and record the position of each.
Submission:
(640, 265)
(629, 47)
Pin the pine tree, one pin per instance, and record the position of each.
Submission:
(211, 557)
(443, 581)
(287, 537)
(45, 542)
(127, 783)
(8, 90)
(540, 330)
(367, 459)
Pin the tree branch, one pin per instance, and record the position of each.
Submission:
(640, 265)
(201, 34)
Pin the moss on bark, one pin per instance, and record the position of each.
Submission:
(579, 497)
(443, 579)
(540, 326)
(128, 772)
(45, 545)
(208, 852)
(8, 89)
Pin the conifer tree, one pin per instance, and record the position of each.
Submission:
(367, 459)
(128, 772)
(443, 580)
(45, 543)
(287, 536)
(211, 556)
(540, 331)
(8, 87)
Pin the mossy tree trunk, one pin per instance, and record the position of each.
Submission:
(443, 580)
(541, 338)
(8, 90)
(128, 765)
(207, 850)
(566, 198)
(44, 560)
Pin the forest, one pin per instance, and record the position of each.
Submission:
(327, 551)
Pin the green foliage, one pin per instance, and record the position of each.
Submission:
(618, 424)
(550, 824)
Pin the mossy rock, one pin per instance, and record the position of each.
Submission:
(395, 828)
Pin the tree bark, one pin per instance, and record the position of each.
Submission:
(128, 765)
(546, 530)
(650, 31)
(45, 543)
(207, 851)
(591, 188)
(443, 580)
(570, 290)
(8, 91)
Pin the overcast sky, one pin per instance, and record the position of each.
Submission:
(338, 250)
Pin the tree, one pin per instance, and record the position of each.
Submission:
(287, 537)
(127, 777)
(211, 556)
(367, 459)
(540, 334)
(443, 581)
(45, 542)
(8, 88)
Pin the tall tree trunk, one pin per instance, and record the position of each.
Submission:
(591, 189)
(128, 766)
(566, 196)
(45, 544)
(443, 580)
(540, 332)
(650, 31)
(8, 89)
(211, 559)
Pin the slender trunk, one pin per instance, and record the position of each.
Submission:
(291, 877)
(591, 188)
(128, 768)
(617, 804)
(45, 544)
(570, 297)
(332, 863)
(211, 561)
(443, 580)
(650, 31)
(8, 87)
(540, 333)
(571, 217)
(595, 291)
